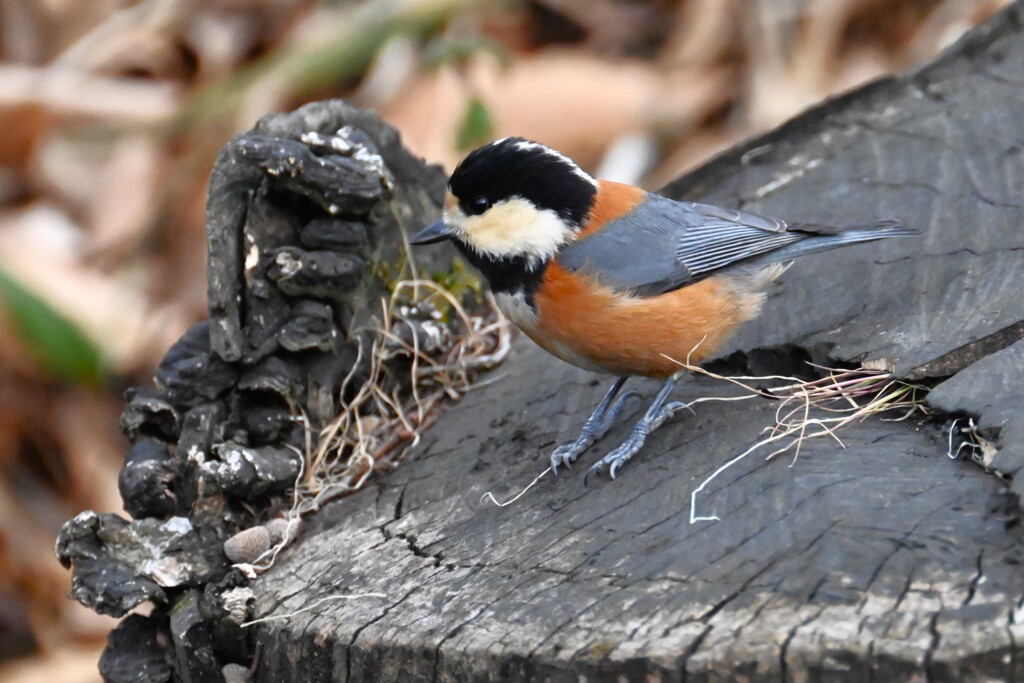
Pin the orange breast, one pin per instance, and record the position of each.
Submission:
(632, 336)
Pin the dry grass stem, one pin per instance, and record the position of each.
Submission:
(845, 396)
(981, 449)
(386, 414)
(490, 496)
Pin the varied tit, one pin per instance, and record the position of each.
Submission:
(612, 278)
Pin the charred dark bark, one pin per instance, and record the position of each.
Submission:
(303, 212)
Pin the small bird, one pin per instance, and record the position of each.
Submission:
(614, 279)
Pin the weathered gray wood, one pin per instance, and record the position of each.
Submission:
(885, 557)
(885, 561)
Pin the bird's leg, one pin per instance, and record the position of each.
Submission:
(652, 419)
(595, 426)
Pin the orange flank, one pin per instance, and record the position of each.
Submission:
(579, 318)
(612, 200)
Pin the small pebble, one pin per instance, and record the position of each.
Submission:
(236, 673)
(246, 546)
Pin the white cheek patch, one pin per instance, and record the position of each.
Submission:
(513, 227)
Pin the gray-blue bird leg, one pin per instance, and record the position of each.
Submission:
(652, 419)
(595, 426)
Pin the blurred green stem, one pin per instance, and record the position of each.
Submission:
(57, 344)
(356, 33)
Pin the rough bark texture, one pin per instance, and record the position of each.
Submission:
(884, 561)
(306, 221)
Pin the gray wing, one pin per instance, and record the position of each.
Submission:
(664, 244)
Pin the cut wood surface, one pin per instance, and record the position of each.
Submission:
(885, 560)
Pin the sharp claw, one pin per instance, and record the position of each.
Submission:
(564, 455)
(617, 458)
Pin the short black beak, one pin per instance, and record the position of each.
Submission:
(435, 232)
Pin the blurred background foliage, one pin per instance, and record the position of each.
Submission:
(111, 113)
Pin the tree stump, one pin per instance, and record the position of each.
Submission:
(885, 560)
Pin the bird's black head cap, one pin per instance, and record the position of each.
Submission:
(514, 167)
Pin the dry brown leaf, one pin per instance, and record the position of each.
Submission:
(950, 20)
(67, 665)
(38, 492)
(85, 426)
(22, 32)
(79, 95)
(693, 151)
(29, 568)
(221, 40)
(69, 170)
(136, 37)
(9, 438)
(705, 32)
(42, 248)
(617, 26)
(574, 103)
(128, 190)
(22, 127)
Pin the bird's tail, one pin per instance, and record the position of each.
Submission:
(822, 238)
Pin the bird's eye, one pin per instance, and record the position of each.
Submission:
(478, 205)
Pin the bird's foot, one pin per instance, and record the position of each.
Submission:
(620, 456)
(593, 429)
(614, 461)
(566, 454)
